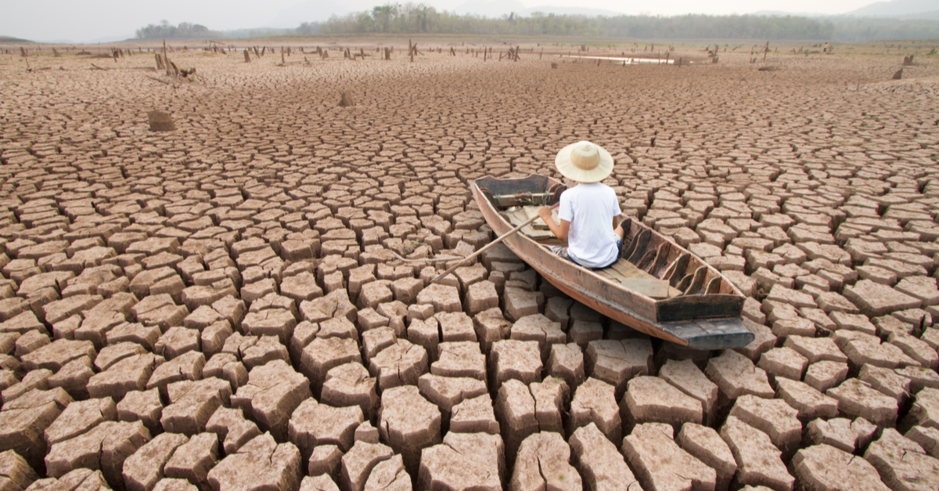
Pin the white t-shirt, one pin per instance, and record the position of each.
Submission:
(590, 208)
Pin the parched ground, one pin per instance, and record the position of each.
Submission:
(219, 306)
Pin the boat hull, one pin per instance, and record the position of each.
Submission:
(612, 300)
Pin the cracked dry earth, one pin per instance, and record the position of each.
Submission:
(218, 307)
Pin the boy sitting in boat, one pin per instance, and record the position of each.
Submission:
(589, 211)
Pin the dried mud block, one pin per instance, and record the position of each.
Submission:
(36, 379)
(272, 393)
(80, 417)
(688, 378)
(773, 417)
(126, 375)
(313, 424)
(925, 410)
(736, 376)
(653, 400)
(399, 364)
(463, 461)
(143, 406)
(594, 403)
(115, 353)
(858, 400)
(864, 349)
(460, 359)
(187, 366)
(455, 327)
(518, 303)
(324, 354)
(259, 464)
(357, 464)
(886, 381)
(551, 397)
(825, 468)
(444, 298)
(876, 300)
(617, 361)
(783, 362)
(524, 410)
(160, 121)
(512, 359)
(84, 479)
(377, 339)
(566, 362)
(15, 473)
(144, 468)
(447, 392)
(661, 464)
(758, 460)
(23, 422)
(600, 465)
(706, 445)
(538, 328)
(29, 342)
(301, 287)
(232, 428)
(321, 482)
(490, 327)
(348, 385)
(409, 423)
(480, 296)
(840, 433)
(55, 355)
(389, 475)
(326, 459)
(104, 448)
(366, 433)
(824, 375)
(267, 349)
(192, 403)
(928, 438)
(169, 484)
(809, 402)
(902, 463)
(226, 367)
(474, 415)
(192, 460)
(543, 462)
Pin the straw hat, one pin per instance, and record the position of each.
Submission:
(584, 162)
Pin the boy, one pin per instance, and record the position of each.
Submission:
(588, 211)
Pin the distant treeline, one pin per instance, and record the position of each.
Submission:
(184, 30)
(411, 18)
(419, 18)
(859, 29)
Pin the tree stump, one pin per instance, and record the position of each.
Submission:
(159, 62)
(908, 60)
(898, 75)
(161, 121)
(346, 100)
(247, 57)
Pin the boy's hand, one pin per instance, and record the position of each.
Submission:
(545, 213)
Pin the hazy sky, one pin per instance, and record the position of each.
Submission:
(89, 20)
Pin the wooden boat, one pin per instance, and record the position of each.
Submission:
(657, 287)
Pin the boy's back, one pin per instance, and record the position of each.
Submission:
(590, 209)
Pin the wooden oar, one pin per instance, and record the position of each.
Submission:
(484, 249)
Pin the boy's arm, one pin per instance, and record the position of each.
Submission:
(559, 231)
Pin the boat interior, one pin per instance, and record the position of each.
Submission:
(649, 264)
